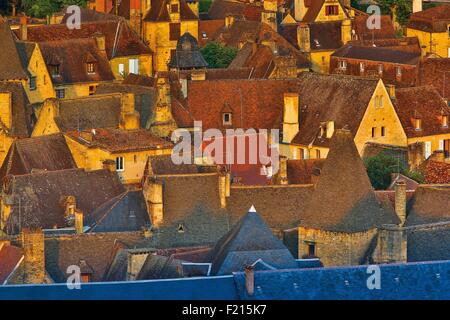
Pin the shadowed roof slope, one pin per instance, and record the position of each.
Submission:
(430, 204)
(343, 199)
(49, 152)
(377, 54)
(10, 63)
(10, 258)
(159, 11)
(21, 113)
(187, 54)
(248, 241)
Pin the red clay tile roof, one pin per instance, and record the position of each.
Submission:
(118, 140)
(72, 57)
(140, 80)
(88, 15)
(436, 72)
(300, 171)
(127, 43)
(252, 12)
(219, 9)
(181, 115)
(431, 20)
(207, 30)
(314, 10)
(10, 257)
(159, 11)
(436, 172)
(359, 24)
(425, 103)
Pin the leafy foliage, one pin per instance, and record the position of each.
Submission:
(204, 5)
(217, 55)
(44, 8)
(380, 167)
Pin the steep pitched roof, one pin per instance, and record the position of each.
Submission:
(430, 204)
(71, 56)
(21, 112)
(187, 55)
(330, 98)
(377, 54)
(41, 195)
(120, 39)
(49, 153)
(431, 20)
(219, 9)
(88, 15)
(10, 258)
(11, 67)
(434, 72)
(248, 241)
(325, 35)
(386, 30)
(424, 103)
(159, 11)
(343, 200)
(99, 111)
(300, 171)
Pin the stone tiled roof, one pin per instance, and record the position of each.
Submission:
(431, 20)
(343, 200)
(325, 35)
(49, 153)
(71, 56)
(159, 11)
(300, 171)
(120, 39)
(21, 111)
(11, 67)
(386, 30)
(430, 204)
(187, 55)
(377, 54)
(434, 72)
(221, 8)
(118, 140)
(41, 196)
(424, 103)
(10, 258)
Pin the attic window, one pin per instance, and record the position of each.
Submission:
(204, 35)
(380, 69)
(180, 228)
(445, 121)
(398, 71)
(361, 67)
(33, 83)
(54, 70)
(90, 67)
(311, 249)
(316, 42)
(418, 124)
(332, 10)
(174, 8)
(227, 119)
(342, 64)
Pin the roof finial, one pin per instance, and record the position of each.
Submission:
(252, 209)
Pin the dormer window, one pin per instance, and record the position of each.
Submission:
(227, 119)
(174, 8)
(54, 70)
(418, 124)
(380, 69)
(445, 121)
(361, 67)
(90, 67)
(342, 64)
(398, 71)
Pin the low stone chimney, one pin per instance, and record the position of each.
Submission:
(438, 156)
(229, 20)
(250, 280)
(6, 108)
(109, 165)
(391, 90)
(129, 117)
(24, 28)
(34, 257)
(416, 6)
(79, 226)
(100, 41)
(290, 117)
(224, 188)
(153, 193)
(391, 245)
(282, 174)
(400, 201)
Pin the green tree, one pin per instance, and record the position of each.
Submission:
(217, 55)
(404, 9)
(44, 8)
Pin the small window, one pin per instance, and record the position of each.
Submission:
(134, 66)
(174, 31)
(311, 249)
(380, 102)
(174, 8)
(85, 277)
(342, 64)
(122, 69)
(54, 70)
(380, 69)
(332, 10)
(374, 129)
(90, 67)
(135, 158)
(204, 35)
(302, 154)
(445, 121)
(60, 93)
(361, 67)
(398, 71)
(317, 154)
(45, 79)
(131, 214)
(180, 228)
(448, 31)
(227, 119)
(383, 131)
(33, 83)
(418, 124)
(120, 164)
(92, 90)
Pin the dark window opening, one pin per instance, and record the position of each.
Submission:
(174, 32)
(311, 249)
(332, 10)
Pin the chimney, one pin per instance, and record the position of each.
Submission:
(109, 165)
(438, 156)
(100, 41)
(6, 108)
(87, 135)
(250, 280)
(224, 189)
(400, 201)
(346, 30)
(153, 193)
(391, 245)
(391, 91)
(23, 28)
(303, 37)
(290, 117)
(315, 175)
(229, 20)
(416, 6)
(34, 257)
(299, 10)
(129, 117)
(79, 222)
(282, 176)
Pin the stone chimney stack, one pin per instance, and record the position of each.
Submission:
(129, 117)
(250, 280)
(417, 6)
(153, 193)
(290, 117)
(392, 245)
(23, 28)
(100, 41)
(282, 175)
(6, 108)
(229, 20)
(79, 226)
(109, 165)
(34, 257)
(299, 10)
(224, 188)
(400, 201)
